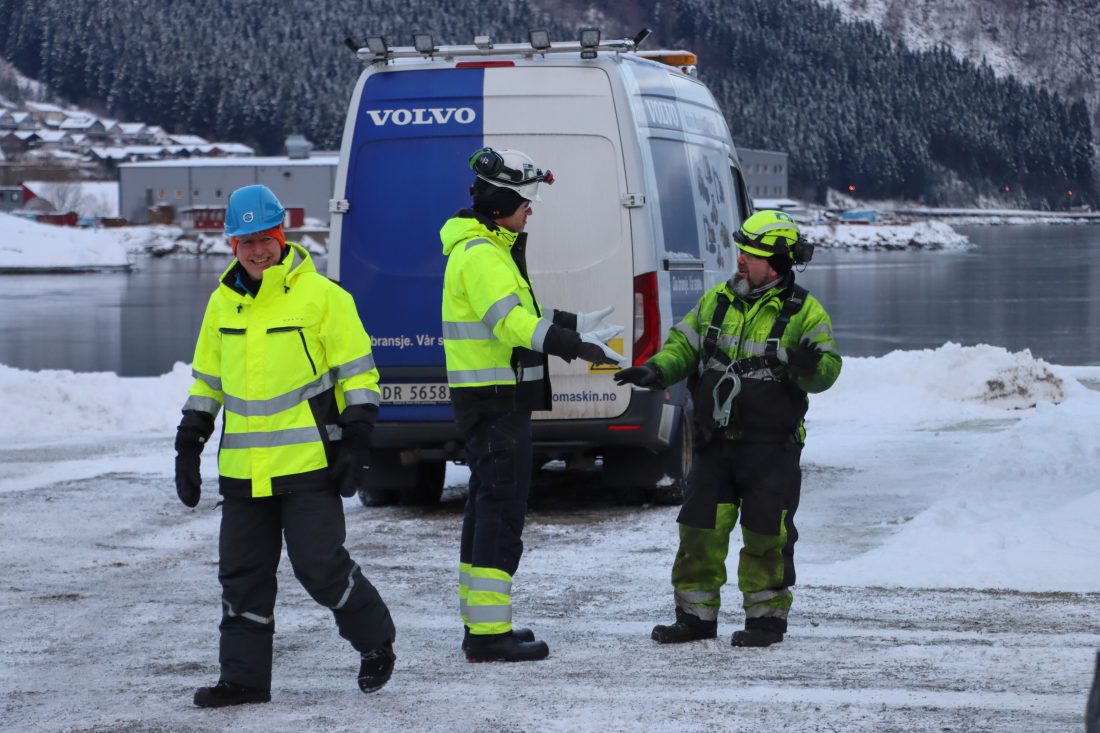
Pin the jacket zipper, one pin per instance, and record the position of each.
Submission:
(302, 336)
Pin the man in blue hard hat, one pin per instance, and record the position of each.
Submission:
(282, 349)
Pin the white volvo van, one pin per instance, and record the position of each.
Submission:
(648, 192)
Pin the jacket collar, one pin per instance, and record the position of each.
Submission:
(296, 262)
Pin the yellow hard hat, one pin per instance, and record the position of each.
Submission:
(767, 233)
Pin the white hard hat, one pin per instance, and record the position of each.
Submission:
(510, 169)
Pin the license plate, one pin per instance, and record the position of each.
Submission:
(415, 393)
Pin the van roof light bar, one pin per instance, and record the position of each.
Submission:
(424, 46)
(540, 39)
(589, 40)
(377, 45)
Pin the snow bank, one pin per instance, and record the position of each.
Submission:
(1004, 446)
(28, 245)
(919, 235)
(914, 386)
(54, 405)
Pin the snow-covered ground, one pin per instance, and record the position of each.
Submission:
(949, 575)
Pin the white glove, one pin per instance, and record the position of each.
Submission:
(595, 350)
(591, 320)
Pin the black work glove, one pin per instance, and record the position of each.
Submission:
(353, 458)
(189, 445)
(643, 376)
(802, 361)
(191, 436)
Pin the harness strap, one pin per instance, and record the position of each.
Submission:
(714, 330)
(792, 304)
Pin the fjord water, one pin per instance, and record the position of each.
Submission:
(1031, 287)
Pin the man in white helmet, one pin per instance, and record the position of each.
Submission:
(496, 340)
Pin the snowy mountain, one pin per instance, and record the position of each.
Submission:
(1053, 44)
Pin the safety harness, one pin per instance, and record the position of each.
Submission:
(728, 384)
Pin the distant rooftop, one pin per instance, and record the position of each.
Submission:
(281, 160)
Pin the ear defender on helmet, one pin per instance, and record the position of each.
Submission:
(486, 162)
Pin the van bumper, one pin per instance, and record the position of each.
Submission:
(650, 421)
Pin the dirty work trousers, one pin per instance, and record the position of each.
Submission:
(250, 547)
(498, 452)
(761, 482)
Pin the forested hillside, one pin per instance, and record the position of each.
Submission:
(851, 106)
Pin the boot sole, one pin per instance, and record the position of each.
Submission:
(657, 638)
(758, 645)
(211, 704)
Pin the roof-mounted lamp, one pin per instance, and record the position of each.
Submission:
(590, 39)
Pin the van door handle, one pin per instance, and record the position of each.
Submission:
(681, 265)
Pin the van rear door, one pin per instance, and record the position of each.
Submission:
(579, 250)
(406, 172)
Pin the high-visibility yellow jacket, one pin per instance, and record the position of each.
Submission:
(772, 402)
(290, 366)
(494, 335)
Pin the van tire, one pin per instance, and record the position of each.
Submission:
(634, 475)
(388, 481)
(427, 488)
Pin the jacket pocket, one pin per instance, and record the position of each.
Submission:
(302, 338)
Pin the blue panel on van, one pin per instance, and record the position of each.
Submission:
(407, 173)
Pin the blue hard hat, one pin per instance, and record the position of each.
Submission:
(252, 209)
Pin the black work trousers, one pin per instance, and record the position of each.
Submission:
(250, 547)
(498, 452)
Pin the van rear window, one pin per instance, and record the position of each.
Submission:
(698, 203)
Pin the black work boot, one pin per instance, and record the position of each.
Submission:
(376, 667)
(504, 648)
(755, 637)
(688, 627)
(519, 634)
(229, 693)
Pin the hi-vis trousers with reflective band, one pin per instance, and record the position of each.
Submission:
(249, 550)
(498, 451)
(762, 482)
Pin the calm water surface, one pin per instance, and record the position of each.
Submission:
(1023, 287)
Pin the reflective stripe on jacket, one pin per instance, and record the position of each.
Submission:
(771, 403)
(288, 365)
(493, 330)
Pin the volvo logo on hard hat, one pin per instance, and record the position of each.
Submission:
(422, 116)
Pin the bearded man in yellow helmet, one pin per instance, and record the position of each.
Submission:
(754, 346)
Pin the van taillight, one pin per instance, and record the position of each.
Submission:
(647, 318)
